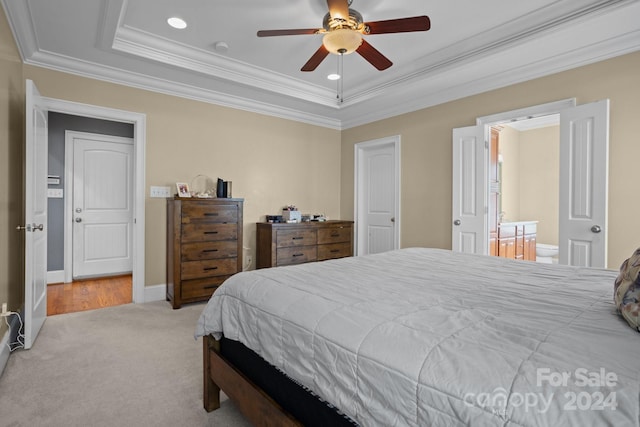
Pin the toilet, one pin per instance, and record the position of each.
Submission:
(546, 254)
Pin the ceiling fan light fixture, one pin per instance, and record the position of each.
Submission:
(342, 41)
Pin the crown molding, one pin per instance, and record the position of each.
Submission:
(96, 71)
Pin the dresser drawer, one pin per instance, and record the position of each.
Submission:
(208, 268)
(201, 288)
(334, 235)
(334, 250)
(205, 212)
(206, 231)
(299, 237)
(296, 255)
(209, 250)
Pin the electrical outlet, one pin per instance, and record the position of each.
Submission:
(4, 308)
(248, 260)
(155, 191)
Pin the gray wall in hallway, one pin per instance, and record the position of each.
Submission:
(58, 124)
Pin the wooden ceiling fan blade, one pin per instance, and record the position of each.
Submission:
(338, 9)
(292, 32)
(374, 56)
(315, 59)
(401, 25)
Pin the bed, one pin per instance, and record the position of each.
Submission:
(422, 336)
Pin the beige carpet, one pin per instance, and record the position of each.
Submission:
(132, 365)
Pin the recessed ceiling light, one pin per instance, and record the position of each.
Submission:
(333, 76)
(176, 22)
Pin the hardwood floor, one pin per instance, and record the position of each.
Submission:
(88, 294)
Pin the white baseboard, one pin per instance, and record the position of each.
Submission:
(6, 339)
(4, 350)
(155, 293)
(55, 276)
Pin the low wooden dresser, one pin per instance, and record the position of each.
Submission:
(281, 244)
(204, 246)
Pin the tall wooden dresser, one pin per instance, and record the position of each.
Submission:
(204, 246)
(285, 244)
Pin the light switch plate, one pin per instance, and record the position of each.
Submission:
(155, 191)
(55, 193)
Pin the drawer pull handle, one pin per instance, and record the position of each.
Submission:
(210, 232)
(335, 235)
(297, 255)
(333, 251)
(209, 250)
(210, 268)
(297, 238)
(211, 286)
(211, 214)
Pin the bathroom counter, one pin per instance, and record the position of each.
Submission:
(516, 223)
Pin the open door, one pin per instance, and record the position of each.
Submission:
(470, 223)
(35, 271)
(584, 160)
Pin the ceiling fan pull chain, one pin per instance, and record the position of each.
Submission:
(340, 80)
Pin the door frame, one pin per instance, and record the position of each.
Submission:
(359, 150)
(69, 136)
(139, 141)
(520, 114)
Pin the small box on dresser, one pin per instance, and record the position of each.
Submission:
(204, 246)
(280, 244)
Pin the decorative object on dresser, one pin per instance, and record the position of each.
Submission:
(204, 246)
(281, 244)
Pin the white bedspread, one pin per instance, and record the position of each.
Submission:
(427, 337)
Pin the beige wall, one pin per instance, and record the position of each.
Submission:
(271, 162)
(11, 136)
(426, 149)
(539, 164)
(509, 148)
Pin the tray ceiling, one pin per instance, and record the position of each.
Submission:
(471, 47)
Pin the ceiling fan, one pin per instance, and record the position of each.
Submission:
(343, 29)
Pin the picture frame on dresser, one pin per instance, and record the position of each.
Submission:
(183, 189)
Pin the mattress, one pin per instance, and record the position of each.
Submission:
(423, 336)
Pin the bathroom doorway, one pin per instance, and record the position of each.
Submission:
(524, 171)
(583, 183)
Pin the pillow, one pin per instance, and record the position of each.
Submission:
(626, 293)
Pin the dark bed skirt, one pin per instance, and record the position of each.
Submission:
(300, 402)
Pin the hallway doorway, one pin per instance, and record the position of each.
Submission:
(90, 294)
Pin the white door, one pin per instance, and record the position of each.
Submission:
(102, 205)
(469, 204)
(584, 151)
(377, 196)
(35, 248)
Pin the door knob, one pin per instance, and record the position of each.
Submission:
(78, 219)
(393, 219)
(596, 229)
(78, 210)
(457, 222)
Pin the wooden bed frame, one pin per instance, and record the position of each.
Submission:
(220, 374)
